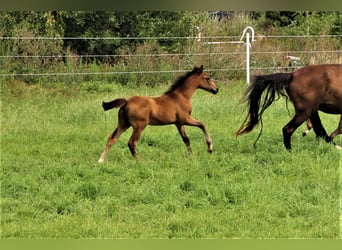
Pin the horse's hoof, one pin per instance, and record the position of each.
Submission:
(338, 147)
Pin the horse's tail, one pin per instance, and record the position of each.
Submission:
(117, 103)
(274, 85)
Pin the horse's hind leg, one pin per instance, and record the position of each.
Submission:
(318, 127)
(181, 130)
(122, 127)
(337, 132)
(288, 130)
(308, 127)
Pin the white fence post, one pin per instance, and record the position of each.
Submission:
(248, 46)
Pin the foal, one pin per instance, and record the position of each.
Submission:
(173, 107)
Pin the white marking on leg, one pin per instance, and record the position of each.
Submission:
(103, 155)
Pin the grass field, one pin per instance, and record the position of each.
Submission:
(53, 187)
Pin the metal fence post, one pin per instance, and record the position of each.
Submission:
(248, 46)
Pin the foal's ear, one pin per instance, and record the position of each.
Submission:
(200, 70)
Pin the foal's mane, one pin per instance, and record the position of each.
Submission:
(181, 79)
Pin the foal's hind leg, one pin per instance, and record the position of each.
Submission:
(193, 122)
(122, 127)
(136, 134)
(181, 130)
(111, 140)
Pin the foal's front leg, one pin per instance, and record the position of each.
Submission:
(193, 122)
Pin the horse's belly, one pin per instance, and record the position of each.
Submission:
(156, 123)
(162, 119)
(330, 109)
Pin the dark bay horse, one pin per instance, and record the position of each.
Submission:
(311, 88)
(173, 107)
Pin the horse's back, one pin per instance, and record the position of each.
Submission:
(334, 74)
(138, 108)
(317, 70)
(333, 79)
(318, 77)
(319, 85)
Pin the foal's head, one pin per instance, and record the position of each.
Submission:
(204, 81)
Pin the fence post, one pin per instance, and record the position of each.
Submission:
(248, 46)
(247, 58)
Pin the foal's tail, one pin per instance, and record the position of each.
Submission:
(275, 85)
(117, 103)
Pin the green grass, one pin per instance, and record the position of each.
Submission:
(53, 187)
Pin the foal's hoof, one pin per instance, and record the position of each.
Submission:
(338, 147)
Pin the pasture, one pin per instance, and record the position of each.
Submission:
(53, 187)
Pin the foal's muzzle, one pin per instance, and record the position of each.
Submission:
(214, 91)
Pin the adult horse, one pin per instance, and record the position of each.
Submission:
(173, 107)
(311, 88)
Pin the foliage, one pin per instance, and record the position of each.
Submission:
(100, 25)
(30, 24)
(282, 18)
(167, 25)
(96, 41)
